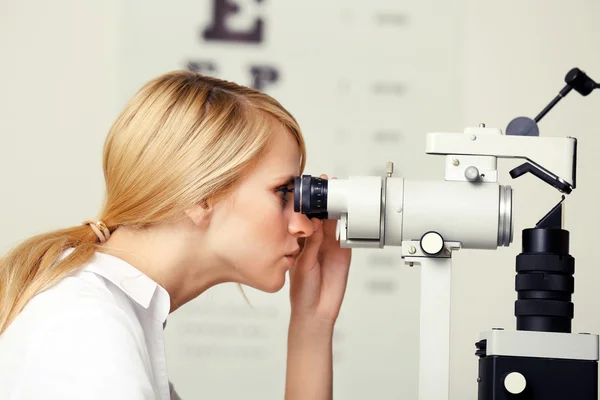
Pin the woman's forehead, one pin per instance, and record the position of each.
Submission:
(283, 150)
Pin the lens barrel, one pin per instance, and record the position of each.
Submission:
(544, 281)
(310, 196)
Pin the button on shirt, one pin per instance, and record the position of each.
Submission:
(97, 334)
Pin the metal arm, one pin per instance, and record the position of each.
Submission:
(552, 159)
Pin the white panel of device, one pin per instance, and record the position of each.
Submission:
(541, 344)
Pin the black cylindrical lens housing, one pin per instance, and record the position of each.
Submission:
(310, 196)
(544, 281)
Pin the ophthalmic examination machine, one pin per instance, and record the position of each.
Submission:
(542, 358)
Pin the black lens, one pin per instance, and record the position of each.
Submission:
(310, 196)
(544, 281)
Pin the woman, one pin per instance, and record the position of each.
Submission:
(198, 178)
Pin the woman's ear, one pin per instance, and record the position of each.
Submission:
(200, 213)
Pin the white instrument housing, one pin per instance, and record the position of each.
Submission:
(429, 219)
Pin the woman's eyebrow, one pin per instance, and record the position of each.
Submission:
(285, 179)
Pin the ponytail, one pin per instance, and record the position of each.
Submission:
(32, 266)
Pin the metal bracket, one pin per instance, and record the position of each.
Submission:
(412, 251)
(434, 346)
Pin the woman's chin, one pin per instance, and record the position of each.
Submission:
(270, 280)
(276, 286)
(274, 283)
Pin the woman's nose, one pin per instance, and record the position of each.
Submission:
(300, 225)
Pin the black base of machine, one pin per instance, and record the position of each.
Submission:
(547, 379)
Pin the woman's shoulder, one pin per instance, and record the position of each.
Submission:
(79, 292)
(80, 298)
(80, 334)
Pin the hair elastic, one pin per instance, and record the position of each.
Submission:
(99, 228)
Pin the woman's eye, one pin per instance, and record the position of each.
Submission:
(283, 191)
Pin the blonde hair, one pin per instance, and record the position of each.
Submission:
(182, 140)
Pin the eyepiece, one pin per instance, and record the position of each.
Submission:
(310, 196)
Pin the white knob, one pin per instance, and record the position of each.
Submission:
(515, 382)
(472, 173)
(432, 243)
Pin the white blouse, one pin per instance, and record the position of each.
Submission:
(97, 334)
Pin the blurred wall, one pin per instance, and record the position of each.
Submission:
(366, 80)
(58, 97)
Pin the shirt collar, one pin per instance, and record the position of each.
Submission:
(134, 283)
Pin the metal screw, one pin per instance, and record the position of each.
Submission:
(473, 137)
(410, 264)
(455, 162)
(390, 169)
(482, 125)
(412, 250)
(399, 209)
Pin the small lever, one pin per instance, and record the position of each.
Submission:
(575, 79)
(527, 167)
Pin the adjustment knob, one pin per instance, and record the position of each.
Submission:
(432, 243)
(472, 174)
(515, 383)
